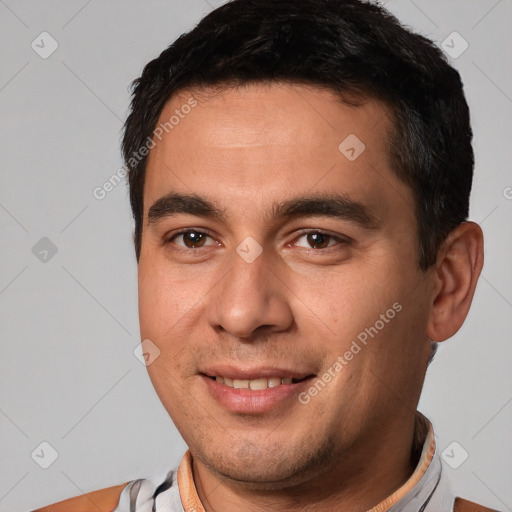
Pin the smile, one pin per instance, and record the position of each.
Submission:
(254, 391)
(255, 384)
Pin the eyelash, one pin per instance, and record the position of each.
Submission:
(339, 239)
(169, 240)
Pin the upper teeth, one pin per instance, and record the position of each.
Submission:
(255, 384)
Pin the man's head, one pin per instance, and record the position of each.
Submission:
(299, 230)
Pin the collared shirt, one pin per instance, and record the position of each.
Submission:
(426, 490)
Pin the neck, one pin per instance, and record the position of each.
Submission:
(354, 481)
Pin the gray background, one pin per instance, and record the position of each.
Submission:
(69, 324)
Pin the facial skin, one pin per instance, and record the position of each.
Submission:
(296, 307)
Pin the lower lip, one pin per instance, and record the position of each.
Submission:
(246, 401)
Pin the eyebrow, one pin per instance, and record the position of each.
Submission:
(172, 204)
(333, 205)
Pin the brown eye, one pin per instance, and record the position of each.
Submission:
(191, 239)
(318, 240)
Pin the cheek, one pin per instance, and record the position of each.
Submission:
(372, 315)
(154, 307)
(171, 310)
(347, 300)
(166, 300)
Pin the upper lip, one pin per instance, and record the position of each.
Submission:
(260, 372)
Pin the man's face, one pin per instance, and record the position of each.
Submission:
(303, 248)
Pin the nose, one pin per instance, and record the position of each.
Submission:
(250, 300)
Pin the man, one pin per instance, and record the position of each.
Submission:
(299, 177)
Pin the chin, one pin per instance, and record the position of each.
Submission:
(267, 467)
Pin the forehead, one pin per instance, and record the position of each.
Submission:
(266, 141)
(288, 112)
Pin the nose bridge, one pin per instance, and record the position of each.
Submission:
(249, 296)
(246, 278)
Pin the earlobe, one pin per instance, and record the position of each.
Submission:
(459, 264)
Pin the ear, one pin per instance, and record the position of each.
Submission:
(458, 266)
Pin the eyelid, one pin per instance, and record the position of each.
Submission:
(341, 239)
(169, 237)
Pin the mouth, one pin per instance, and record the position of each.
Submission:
(254, 391)
(257, 384)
